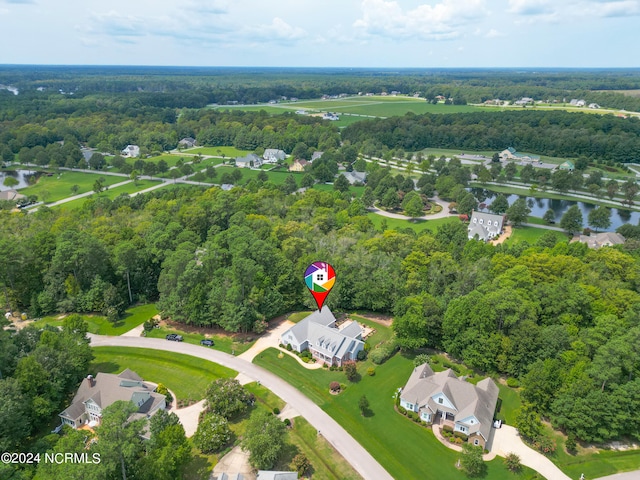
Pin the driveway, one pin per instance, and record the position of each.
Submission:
(270, 339)
(189, 417)
(506, 440)
(236, 461)
(622, 476)
(345, 444)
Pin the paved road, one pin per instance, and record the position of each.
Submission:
(344, 443)
(622, 476)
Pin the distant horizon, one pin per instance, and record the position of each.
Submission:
(576, 34)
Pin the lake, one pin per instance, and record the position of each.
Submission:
(24, 178)
(539, 206)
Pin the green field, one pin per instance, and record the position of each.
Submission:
(57, 187)
(277, 177)
(531, 235)
(509, 403)
(111, 194)
(394, 440)
(101, 326)
(417, 225)
(186, 376)
(228, 152)
(224, 343)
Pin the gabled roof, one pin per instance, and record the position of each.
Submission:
(469, 400)
(106, 389)
(355, 177)
(11, 195)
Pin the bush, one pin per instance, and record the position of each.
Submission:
(447, 428)
(367, 346)
(362, 355)
(512, 462)
(276, 411)
(305, 354)
(545, 444)
(162, 390)
(350, 370)
(371, 371)
(334, 386)
(461, 435)
(212, 434)
(289, 347)
(287, 422)
(149, 325)
(513, 382)
(402, 410)
(571, 445)
(300, 464)
(411, 415)
(420, 359)
(343, 386)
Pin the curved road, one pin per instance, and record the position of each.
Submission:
(352, 451)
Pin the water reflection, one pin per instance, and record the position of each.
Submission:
(539, 206)
(24, 178)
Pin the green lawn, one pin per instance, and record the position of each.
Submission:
(101, 326)
(187, 376)
(509, 403)
(417, 225)
(394, 440)
(112, 193)
(57, 187)
(531, 235)
(295, 317)
(228, 152)
(325, 187)
(224, 343)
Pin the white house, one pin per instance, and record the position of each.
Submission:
(327, 343)
(96, 394)
(250, 161)
(330, 116)
(442, 398)
(484, 226)
(273, 155)
(131, 151)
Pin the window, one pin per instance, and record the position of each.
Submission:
(476, 442)
(440, 400)
(475, 220)
(481, 221)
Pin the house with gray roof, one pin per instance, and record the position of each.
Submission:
(603, 239)
(131, 151)
(187, 142)
(443, 398)
(316, 155)
(485, 226)
(355, 178)
(96, 394)
(11, 195)
(272, 475)
(273, 155)
(249, 161)
(326, 342)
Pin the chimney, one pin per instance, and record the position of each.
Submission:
(91, 381)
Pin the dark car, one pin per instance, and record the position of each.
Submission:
(207, 343)
(174, 337)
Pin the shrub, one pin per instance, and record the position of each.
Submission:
(447, 428)
(162, 390)
(289, 347)
(281, 345)
(300, 464)
(343, 386)
(276, 411)
(402, 410)
(571, 445)
(545, 444)
(350, 370)
(458, 441)
(212, 434)
(227, 397)
(334, 386)
(512, 462)
(420, 359)
(305, 354)
(371, 371)
(513, 382)
(149, 324)
(411, 415)
(461, 435)
(362, 355)
(435, 360)
(367, 346)
(287, 422)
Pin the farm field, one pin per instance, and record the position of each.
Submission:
(57, 187)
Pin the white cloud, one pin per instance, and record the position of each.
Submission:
(278, 30)
(615, 8)
(20, 1)
(530, 7)
(493, 33)
(441, 21)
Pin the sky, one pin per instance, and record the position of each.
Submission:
(322, 33)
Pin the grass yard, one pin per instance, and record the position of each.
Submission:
(295, 317)
(531, 235)
(394, 440)
(325, 187)
(218, 151)
(276, 177)
(112, 193)
(101, 326)
(224, 343)
(510, 402)
(57, 187)
(418, 225)
(187, 376)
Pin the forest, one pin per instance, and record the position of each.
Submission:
(559, 317)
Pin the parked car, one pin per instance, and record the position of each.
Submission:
(207, 342)
(174, 337)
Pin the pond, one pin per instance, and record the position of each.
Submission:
(24, 178)
(539, 206)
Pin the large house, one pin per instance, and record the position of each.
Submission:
(298, 165)
(355, 178)
(443, 398)
(604, 239)
(187, 142)
(96, 394)
(326, 342)
(511, 154)
(250, 161)
(272, 155)
(485, 226)
(131, 151)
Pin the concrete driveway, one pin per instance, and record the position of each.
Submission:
(345, 444)
(236, 461)
(506, 440)
(270, 339)
(189, 417)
